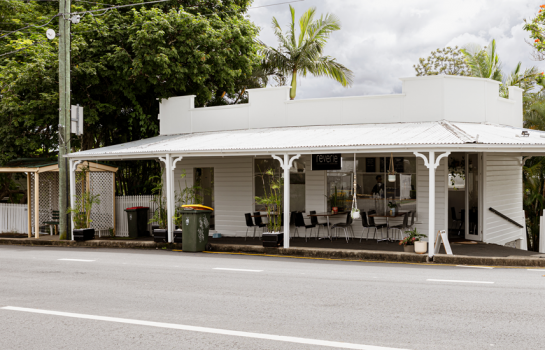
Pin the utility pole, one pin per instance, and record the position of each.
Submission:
(64, 116)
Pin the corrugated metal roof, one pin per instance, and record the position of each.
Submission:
(421, 133)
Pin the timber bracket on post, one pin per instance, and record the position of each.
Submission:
(431, 163)
(524, 159)
(286, 164)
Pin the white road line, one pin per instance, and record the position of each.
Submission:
(75, 260)
(334, 344)
(534, 270)
(476, 267)
(457, 281)
(244, 270)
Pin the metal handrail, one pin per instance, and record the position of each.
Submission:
(505, 217)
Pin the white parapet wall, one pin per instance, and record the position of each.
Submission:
(433, 98)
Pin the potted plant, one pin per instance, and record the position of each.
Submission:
(272, 200)
(186, 195)
(160, 231)
(409, 241)
(81, 213)
(393, 206)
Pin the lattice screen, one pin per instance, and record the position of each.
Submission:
(101, 183)
(102, 215)
(48, 197)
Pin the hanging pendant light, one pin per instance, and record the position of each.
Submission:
(391, 173)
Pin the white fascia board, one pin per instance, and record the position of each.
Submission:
(527, 150)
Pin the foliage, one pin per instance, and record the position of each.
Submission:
(160, 214)
(457, 168)
(483, 62)
(412, 236)
(448, 60)
(186, 195)
(81, 213)
(272, 198)
(478, 62)
(533, 198)
(122, 61)
(536, 27)
(299, 54)
(9, 188)
(392, 205)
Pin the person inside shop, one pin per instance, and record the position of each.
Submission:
(379, 187)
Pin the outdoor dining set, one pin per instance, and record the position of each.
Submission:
(297, 219)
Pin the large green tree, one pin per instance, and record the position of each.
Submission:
(123, 60)
(302, 53)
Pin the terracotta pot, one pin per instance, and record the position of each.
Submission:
(420, 247)
(408, 248)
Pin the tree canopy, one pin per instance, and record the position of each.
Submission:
(122, 61)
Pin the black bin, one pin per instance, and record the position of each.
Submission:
(138, 221)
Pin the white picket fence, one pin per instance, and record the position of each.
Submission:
(13, 218)
(123, 202)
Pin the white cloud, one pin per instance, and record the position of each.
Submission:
(380, 41)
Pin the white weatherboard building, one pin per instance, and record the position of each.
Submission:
(456, 131)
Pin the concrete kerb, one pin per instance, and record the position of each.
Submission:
(315, 253)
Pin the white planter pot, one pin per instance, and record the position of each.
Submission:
(420, 247)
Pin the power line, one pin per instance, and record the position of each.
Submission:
(31, 25)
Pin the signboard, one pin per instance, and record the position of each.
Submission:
(442, 237)
(326, 161)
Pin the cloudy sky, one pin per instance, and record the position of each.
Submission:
(381, 40)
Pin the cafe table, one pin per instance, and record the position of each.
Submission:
(328, 215)
(388, 216)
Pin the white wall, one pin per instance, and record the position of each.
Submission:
(233, 189)
(502, 174)
(422, 195)
(434, 98)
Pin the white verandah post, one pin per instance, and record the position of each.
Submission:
(73, 167)
(168, 190)
(431, 163)
(286, 164)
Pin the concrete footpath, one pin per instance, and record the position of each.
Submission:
(306, 252)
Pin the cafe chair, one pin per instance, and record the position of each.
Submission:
(249, 224)
(258, 222)
(411, 225)
(300, 222)
(346, 226)
(371, 223)
(314, 221)
(403, 227)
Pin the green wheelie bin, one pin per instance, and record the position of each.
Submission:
(195, 228)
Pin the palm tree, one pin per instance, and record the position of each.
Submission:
(483, 63)
(302, 54)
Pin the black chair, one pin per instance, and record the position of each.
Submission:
(346, 226)
(411, 225)
(249, 223)
(404, 226)
(258, 222)
(300, 222)
(455, 220)
(314, 221)
(373, 224)
(54, 223)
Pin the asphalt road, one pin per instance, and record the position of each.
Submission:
(141, 299)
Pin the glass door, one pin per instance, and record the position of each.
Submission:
(204, 179)
(473, 212)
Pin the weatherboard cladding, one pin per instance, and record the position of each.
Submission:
(418, 133)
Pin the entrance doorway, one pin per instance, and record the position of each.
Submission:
(464, 196)
(204, 179)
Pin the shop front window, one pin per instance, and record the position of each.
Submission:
(374, 190)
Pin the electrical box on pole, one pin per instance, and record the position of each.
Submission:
(76, 119)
